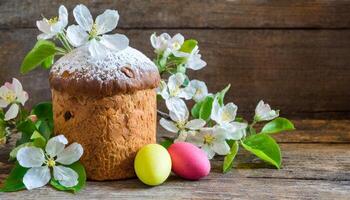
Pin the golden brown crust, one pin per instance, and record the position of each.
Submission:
(122, 72)
(110, 129)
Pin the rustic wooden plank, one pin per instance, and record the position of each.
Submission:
(309, 171)
(192, 13)
(303, 73)
(307, 131)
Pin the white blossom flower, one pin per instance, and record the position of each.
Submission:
(263, 112)
(40, 163)
(160, 43)
(174, 89)
(90, 32)
(165, 42)
(12, 94)
(211, 140)
(224, 116)
(200, 88)
(175, 43)
(52, 27)
(193, 59)
(180, 124)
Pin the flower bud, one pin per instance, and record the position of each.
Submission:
(33, 118)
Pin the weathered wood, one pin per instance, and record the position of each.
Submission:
(192, 13)
(307, 131)
(316, 171)
(303, 73)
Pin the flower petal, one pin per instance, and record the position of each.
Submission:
(263, 112)
(216, 111)
(182, 137)
(45, 36)
(162, 89)
(76, 35)
(17, 86)
(97, 50)
(229, 112)
(187, 93)
(177, 109)
(195, 124)
(210, 153)
(12, 112)
(168, 125)
(175, 81)
(70, 154)
(65, 176)
(23, 97)
(43, 26)
(221, 147)
(83, 17)
(56, 145)
(3, 103)
(196, 63)
(63, 15)
(201, 90)
(30, 157)
(115, 42)
(36, 177)
(107, 21)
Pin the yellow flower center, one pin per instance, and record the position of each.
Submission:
(209, 139)
(225, 116)
(53, 20)
(198, 92)
(10, 97)
(93, 32)
(176, 45)
(181, 125)
(51, 162)
(175, 91)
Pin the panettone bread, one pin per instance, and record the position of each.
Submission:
(108, 106)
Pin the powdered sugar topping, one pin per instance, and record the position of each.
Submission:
(84, 66)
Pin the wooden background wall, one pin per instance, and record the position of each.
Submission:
(293, 54)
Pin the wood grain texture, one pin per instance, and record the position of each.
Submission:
(192, 13)
(310, 171)
(303, 73)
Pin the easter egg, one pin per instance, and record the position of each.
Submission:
(152, 164)
(189, 161)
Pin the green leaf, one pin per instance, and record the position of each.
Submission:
(13, 153)
(278, 125)
(48, 62)
(45, 115)
(43, 110)
(205, 110)
(14, 180)
(38, 139)
(27, 128)
(2, 128)
(264, 147)
(167, 142)
(195, 109)
(228, 160)
(79, 168)
(188, 46)
(42, 50)
(221, 95)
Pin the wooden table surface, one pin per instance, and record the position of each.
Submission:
(316, 165)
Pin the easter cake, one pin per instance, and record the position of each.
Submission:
(108, 106)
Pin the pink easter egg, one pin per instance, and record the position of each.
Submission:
(189, 161)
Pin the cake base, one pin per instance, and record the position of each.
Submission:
(110, 129)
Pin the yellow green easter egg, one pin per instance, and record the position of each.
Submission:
(152, 164)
